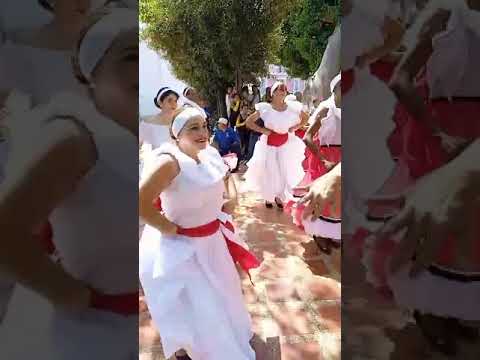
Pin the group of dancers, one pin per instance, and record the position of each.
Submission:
(187, 197)
(411, 91)
(412, 84)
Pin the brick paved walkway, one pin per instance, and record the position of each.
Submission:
(295, 304)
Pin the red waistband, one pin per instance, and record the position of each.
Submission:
(200, 231)
(123, 304)
(277, 140)
(243, 257)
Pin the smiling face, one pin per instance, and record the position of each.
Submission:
(115, 81)
(194, 135)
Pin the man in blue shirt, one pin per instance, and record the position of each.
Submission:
(226, 139)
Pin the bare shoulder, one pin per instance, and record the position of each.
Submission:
(162, 169)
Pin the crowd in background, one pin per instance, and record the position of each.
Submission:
(231, 134)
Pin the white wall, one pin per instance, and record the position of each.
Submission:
(154, 73)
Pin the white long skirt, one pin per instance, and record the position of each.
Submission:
(193, 292)
(275, 171)
(436, 295)
(322, 228)
(368, 107)
(50, 334)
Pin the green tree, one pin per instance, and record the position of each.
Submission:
(305, 34)
(214, 43)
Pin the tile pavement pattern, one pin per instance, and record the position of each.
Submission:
(295, 303)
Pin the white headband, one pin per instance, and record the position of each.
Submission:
(181, 119)
(335, 81)
(186, 90)
(163, 92)
(275, 86)
(100, 37)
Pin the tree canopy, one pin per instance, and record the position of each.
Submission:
(305, 34)
(214, 43)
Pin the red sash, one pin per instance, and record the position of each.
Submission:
(277, 140)
(243, 257)
(383, 70)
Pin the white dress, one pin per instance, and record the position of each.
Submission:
(452, 71)
(152, 136)
(368, 106)
(330, 133)
(96, 235)
(191, 285)
(275, 171)
(35, 74)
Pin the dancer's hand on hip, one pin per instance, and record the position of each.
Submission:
(324, 191)
(169, 228)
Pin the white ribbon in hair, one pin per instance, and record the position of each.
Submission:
(181, 119)
(275, 86)
(100, 37)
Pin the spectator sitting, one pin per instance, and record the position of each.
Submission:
(226, 139)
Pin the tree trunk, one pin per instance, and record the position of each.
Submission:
(238, 80)
(221, 106)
